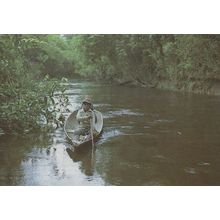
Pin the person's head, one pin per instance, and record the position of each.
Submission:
(86, 104)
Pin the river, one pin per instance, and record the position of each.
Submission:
(150, 137)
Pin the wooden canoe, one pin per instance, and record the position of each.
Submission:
(72, 124)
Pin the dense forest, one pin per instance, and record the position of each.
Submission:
(148, 59)
(33, 67)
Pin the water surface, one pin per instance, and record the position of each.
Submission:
(150, 137)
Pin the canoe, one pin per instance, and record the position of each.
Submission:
(71, 124)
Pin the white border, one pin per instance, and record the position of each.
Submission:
(110, 203)
(109, 16)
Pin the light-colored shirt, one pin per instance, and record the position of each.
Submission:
(83, 118)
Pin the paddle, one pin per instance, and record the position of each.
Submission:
(91, 130)
(92, 141)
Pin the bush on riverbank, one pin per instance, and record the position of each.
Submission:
(27, 96)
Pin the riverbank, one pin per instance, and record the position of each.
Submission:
(208, 87)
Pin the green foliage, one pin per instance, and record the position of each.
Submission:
(27, 98)
(147, 58)
(32, 104)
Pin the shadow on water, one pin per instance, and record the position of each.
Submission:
(86, 155)
(85, 158)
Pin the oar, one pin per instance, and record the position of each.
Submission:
(92, 141)
(92, 134)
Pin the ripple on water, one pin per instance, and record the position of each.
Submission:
(190, 170)
(107, 135)
(160, 121)
(159, 156)
(71, 84)
(73, 92)
(121, 112)
(102, 105)
(203, 164)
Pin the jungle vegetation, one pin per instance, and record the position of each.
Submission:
(33, 67)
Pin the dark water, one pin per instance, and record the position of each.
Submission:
(150, 137)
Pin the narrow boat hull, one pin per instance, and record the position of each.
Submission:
(72, 124)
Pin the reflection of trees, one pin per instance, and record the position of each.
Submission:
(13, 150)
(85, 157)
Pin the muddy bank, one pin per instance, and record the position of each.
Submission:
(209, 86)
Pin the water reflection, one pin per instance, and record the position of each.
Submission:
(85, 158)
(150, 137)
